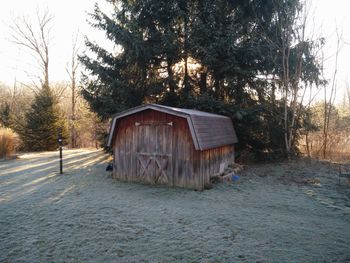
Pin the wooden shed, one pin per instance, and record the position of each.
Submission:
(177, 147)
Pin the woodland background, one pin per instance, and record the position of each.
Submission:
(250, 60)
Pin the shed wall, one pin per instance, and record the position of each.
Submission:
(127, 163)
(138, 145)
(212, 161)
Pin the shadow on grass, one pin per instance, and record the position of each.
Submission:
(29, 179)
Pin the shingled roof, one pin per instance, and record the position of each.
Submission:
(207, 130)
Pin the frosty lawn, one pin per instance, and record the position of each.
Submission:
(271, 215)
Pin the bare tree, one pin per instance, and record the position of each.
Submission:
(293, 42)
(292, 45)
(72, 70)
(347, 87)
(35, 37)
(329, 101)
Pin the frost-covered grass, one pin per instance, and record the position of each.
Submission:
(270, 215)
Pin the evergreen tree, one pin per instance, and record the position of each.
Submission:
(43, 123)
(5, 116)
(221, 56)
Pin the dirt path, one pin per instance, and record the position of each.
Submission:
(270, 215)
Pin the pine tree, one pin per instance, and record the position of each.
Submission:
(233, 46)
(5, 116)
(43, 123)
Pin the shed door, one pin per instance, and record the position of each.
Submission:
(154, 152)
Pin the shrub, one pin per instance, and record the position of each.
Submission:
(8, 142)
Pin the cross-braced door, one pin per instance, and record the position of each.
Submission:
(154, 152)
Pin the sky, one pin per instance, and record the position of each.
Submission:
(70, 17)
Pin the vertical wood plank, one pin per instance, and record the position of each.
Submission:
(175, 158)
(186, 167)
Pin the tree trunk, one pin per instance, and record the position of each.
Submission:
(186, 86)
(203, 83)
(73, 130)
(170, 77)
(307, 144)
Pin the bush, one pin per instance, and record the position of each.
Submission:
(8, 142)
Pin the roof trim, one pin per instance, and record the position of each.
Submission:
(193, 133)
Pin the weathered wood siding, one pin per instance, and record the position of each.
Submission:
(157, 148)
(212, 160)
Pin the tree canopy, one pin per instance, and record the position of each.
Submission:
(244, 59)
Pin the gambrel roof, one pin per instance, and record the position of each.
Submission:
(207, 130)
